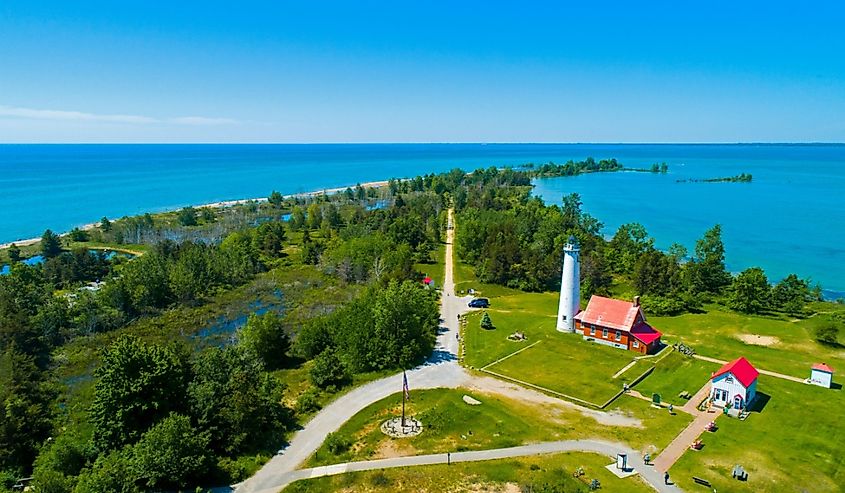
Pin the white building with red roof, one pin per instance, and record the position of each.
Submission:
(617, 323)
(821, 375)
(734, 384)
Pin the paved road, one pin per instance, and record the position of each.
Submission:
(648, 473)
(441, 370)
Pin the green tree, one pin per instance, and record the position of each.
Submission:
(791, 294)
(270, 238)
(191, 273)
(264, 337)
(172, 454)
(188, 216)
(24, 410)
(329, 371)
(105, 224)
(297, 218)
(486, 323)
(750, 291)
(138, 384)
(315, 216)
(14, 253)
(78, 235)
(236, 401)
(51, 244)
(113, 472)
(827, 333)
(276, 199)
(707, 273)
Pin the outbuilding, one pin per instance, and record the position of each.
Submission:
(821, 375)
(734, 384)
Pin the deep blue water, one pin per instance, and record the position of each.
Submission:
(790, 219)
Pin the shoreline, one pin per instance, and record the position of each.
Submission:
(210, 205)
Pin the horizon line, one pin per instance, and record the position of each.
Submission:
(738, 143)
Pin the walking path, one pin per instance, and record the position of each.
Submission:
(648, 473)
(682, 442)
(764, 372)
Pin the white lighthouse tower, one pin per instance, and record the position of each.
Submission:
(570, 288)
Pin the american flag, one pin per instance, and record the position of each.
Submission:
(405, 387)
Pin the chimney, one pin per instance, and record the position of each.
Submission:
(636, 301)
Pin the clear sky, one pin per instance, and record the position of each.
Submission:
(425, 71)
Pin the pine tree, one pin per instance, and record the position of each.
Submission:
(486, 323)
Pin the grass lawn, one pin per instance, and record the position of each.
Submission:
(437, 269)
(716, 334)
(498, 422)
(570, 365)
(797, 443)
(526, 474)
(452, 425)
(674, 374)
(530, 313)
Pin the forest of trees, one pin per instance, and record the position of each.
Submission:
(164, 415)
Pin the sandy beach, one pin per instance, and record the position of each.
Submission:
(215, 205)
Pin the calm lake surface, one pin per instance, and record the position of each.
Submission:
(791, 218)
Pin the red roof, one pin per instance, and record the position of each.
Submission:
(822, 367)
(645, 333)
(610, 313)
(741, 369)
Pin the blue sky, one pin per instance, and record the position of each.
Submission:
(155, 71)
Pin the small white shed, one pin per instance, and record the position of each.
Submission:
(821, 375)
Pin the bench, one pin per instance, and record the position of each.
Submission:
(703, 482)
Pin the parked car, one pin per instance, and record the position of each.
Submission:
(479, 303)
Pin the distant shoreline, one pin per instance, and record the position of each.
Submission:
(212, 205)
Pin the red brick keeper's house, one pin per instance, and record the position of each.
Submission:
(617, 323)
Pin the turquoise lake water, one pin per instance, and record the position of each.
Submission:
(791, 218)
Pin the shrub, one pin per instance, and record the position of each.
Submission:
(337, 443)
(329, 370)
(308, 402)
(380, 479)
(827, 333)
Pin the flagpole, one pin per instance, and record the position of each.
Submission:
(404, 379)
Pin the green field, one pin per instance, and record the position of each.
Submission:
(674, 374)
(567, 364)
(716, 334)
(451, 425)
(553, 362)
(437, 269)
(797, 443)
(541, 473)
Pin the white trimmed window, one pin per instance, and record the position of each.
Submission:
(592, 330)
(604, 333)
(636, 343)
(618, 335)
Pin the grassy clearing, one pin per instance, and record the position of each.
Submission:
(530, 313)
(465, 279)
(526, 474)
(570, 365)
(451, 425)
(437, 269)
(674, 374)
(716, 334)
(797, 443)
